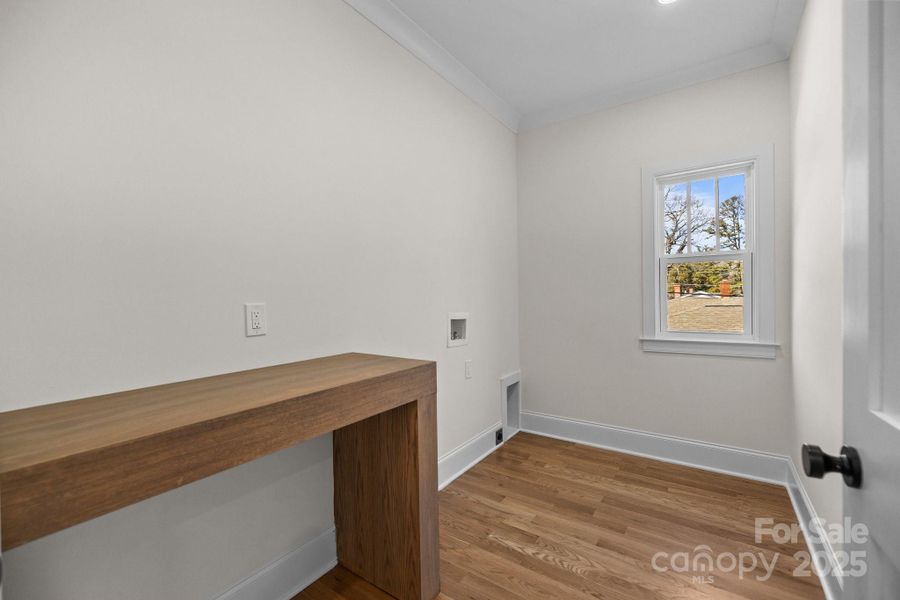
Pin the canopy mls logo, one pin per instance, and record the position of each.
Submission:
(703, 564)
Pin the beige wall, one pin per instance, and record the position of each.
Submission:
(161, 163)
(816, 123)
(580, 267)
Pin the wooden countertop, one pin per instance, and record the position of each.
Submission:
(64, 463)
(53, 431)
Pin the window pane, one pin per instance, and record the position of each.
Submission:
(675, 218)
(706, 296)
(732, 229)
(703, 215)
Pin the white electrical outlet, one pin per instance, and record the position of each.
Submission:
(468, 369)
(255, 317)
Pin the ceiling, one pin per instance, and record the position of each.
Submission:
(532, 62)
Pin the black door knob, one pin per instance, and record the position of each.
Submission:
(816, 464)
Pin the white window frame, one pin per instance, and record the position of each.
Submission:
(758, 338)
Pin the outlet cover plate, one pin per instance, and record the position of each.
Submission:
(255, 319)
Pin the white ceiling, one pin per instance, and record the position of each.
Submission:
(532, 62)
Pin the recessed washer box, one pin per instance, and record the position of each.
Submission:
(457, 334)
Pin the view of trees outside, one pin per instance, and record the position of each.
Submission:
(707, 277)
(696, 221)
(731, 212)
(698, 217)
(708, 295)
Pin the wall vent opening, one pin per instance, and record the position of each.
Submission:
(511, 404)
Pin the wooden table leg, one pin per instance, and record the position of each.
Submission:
(385, 500)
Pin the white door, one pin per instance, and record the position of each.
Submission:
(872, 289)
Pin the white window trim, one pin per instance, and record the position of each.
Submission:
(760, 341)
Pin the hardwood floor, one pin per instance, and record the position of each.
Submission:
(542, 518)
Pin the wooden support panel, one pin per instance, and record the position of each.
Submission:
(385, 500)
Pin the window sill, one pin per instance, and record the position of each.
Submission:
(742, 349)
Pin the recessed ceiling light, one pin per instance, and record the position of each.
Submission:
(667, 1)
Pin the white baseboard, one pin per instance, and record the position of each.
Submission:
(287, 576)
(749, 464)
(816, 539)
(466, 455)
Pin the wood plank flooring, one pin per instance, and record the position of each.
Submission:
(541, 518)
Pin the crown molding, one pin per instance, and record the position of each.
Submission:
(729, 65)
(385, 15)
(403, 30)
(787, 21)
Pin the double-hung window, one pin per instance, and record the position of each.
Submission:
(708, 257)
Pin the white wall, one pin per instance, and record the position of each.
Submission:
(580, 267)
(161, 164)
(817, 137)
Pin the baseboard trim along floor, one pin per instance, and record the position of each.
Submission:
(816, 538)
(467, 455)
(749, 464)
(287, 576)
